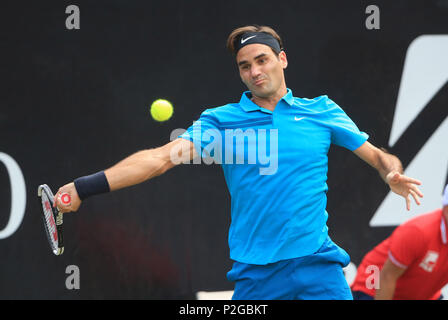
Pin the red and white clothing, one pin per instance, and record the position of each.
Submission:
(420, 246)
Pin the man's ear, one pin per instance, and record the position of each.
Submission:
(283, 59)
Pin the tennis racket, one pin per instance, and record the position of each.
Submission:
(52, 217)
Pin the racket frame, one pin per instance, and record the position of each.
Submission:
(57, 217)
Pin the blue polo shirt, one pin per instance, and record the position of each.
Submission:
(275, 165)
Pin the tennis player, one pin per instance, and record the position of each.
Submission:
(413, 261)
(278, 236)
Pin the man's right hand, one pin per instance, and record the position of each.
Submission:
(75, 200)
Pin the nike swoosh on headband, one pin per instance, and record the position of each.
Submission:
(244, 40)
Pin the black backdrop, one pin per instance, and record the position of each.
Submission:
(76, 101)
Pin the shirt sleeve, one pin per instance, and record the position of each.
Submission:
(205, 135)
(344, 131)
(406, 245)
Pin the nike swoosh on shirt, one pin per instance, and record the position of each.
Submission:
(298, 119)
(244, 40)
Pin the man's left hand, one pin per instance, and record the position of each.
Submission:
(405, 187)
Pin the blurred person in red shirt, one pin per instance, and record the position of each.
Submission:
(411, 264)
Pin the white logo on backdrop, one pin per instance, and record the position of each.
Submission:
(18, 195)
(425, 72)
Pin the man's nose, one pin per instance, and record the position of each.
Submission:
(255, 72)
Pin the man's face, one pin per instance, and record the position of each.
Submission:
(261, 69)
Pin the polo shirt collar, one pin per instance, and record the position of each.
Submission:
(248, 105)
(288, 97)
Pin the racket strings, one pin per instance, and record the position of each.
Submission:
(49, 220)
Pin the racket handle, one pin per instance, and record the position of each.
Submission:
(65, 199)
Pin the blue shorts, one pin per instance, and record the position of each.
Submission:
(359, 295)
(318, 276)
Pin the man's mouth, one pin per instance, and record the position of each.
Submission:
(258, 82)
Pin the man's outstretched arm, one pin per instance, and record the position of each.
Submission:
(137, 168)
(390, 169)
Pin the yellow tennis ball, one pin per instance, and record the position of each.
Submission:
(161, 110)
